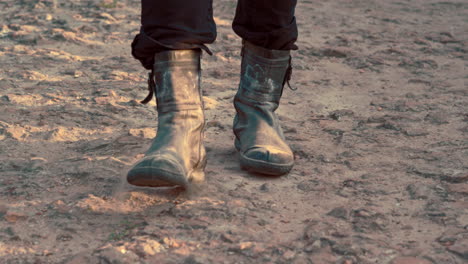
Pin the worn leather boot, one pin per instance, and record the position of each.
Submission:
(259, 137)
(177, 156)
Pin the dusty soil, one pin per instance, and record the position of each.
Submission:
(378, 126)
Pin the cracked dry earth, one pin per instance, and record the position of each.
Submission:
(378, 126)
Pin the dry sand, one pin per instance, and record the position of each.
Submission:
(378, 126)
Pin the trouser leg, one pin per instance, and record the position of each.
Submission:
(173, 25)
(269, 31)
(270, 24)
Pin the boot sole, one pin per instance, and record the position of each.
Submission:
(139, 177)
(262, 167)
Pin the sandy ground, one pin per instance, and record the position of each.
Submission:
(378, 126)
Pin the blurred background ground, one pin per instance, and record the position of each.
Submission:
(378, 126)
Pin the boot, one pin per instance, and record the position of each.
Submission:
(259, 137)
(177, 156)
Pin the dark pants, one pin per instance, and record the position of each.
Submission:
(189, 24)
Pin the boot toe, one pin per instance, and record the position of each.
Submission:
(267, 160)
(158, 171)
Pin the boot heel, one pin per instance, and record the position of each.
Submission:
(198, 173)
(198, 176)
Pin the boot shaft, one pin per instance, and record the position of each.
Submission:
(178, 98)
(263, 73)
(176, 76)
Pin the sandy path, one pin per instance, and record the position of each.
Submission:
(378, 126)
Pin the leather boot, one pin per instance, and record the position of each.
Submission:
(259, 137)
(177, 156)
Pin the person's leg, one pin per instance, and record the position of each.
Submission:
(170, 42)
(269, 31)
(173, 25)
(270, 24)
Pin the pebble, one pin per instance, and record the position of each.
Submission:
(308, 186)
(265, 187)
(148, 247)
(339, 212)
(338, 114)
(228, 238)
(171, 242)
(313, 247)
(246, 245)
(415, 132)
(336, 52)
(13, 217)
(420, 191)
(107, 16)
(390, 125)
(289, 254)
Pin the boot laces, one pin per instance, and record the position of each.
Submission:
(288, 75)
(151, 88)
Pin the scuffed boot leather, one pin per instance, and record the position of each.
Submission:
(177, 156)
(259, 137)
